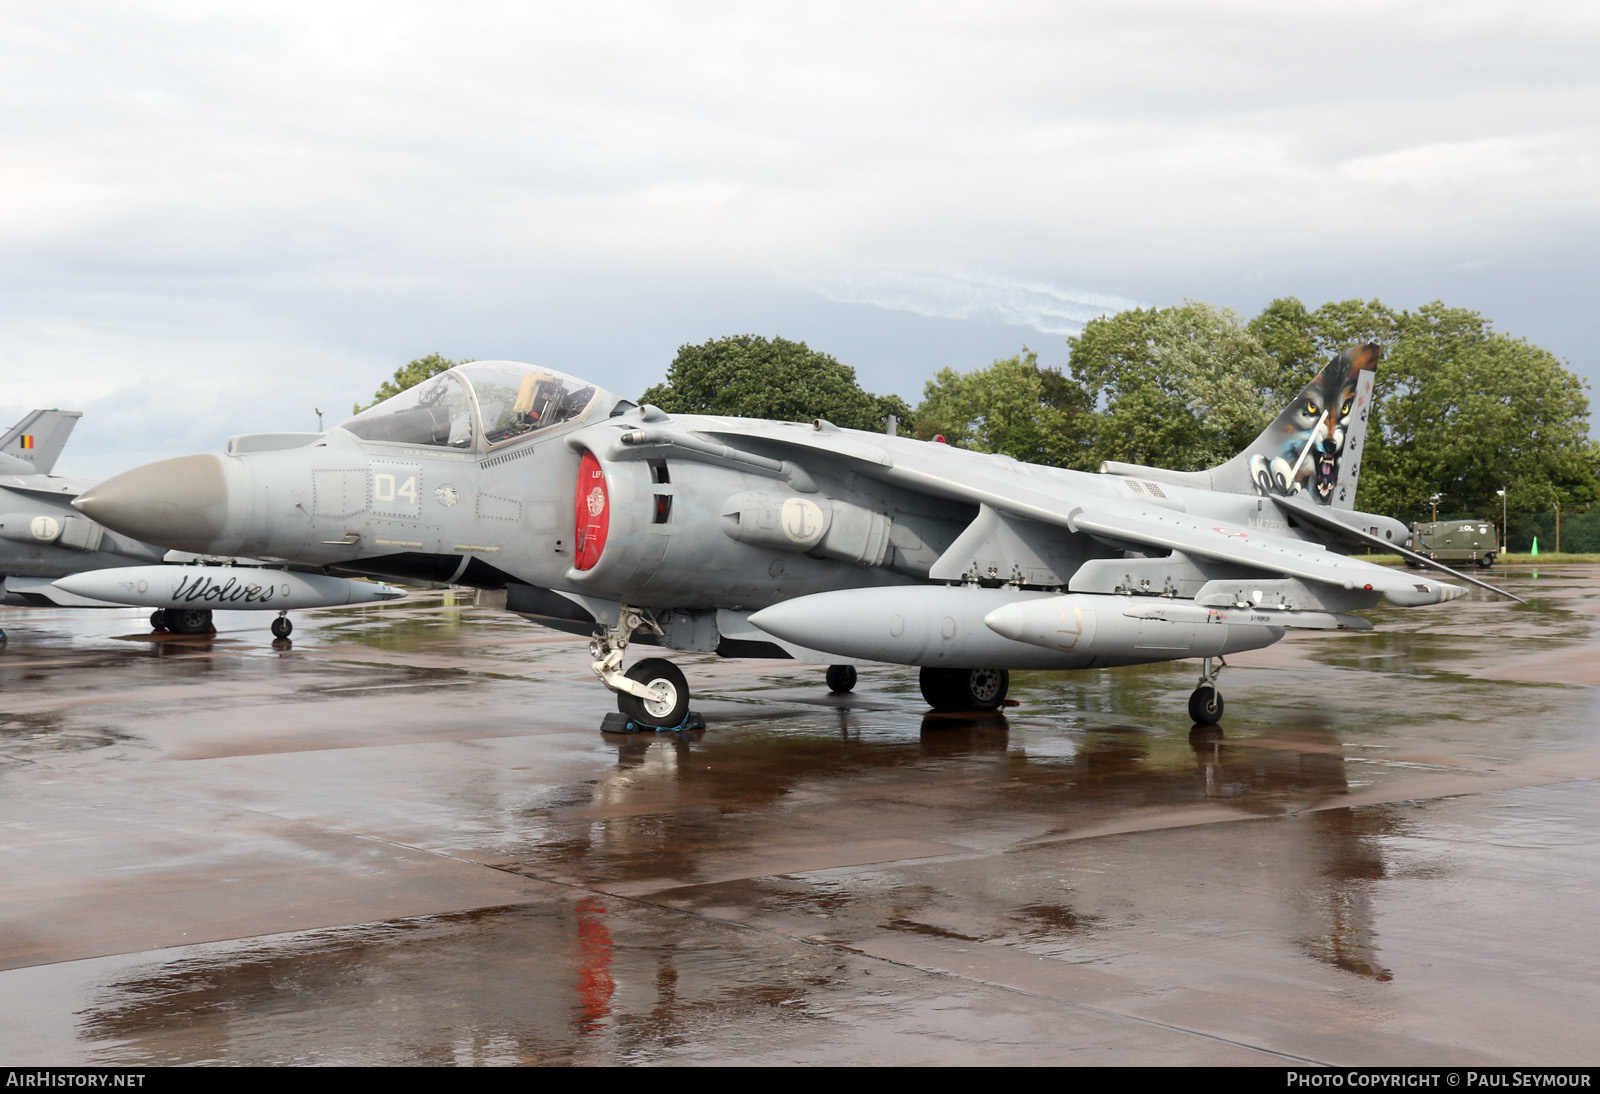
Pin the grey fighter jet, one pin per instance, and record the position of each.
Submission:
(41, 536)
(780, 539)
(53, 556)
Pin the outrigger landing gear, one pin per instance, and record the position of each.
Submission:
(841, 678)
(281, 627)
(1205, 705)
(652, 694)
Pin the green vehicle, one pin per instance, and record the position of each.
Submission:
(1456, 541)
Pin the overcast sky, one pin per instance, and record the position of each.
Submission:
(217, 218)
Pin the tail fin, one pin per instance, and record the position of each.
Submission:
(1315, 445)
(39, 438)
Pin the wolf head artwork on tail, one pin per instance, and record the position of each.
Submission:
(1315, 444)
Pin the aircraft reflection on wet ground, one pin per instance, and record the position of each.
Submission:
(400, 839)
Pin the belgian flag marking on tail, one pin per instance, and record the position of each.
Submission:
(27, 440)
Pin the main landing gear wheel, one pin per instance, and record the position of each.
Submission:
(281, 627)
(1205, 706)
(188, 620)
(841, 678)
(949, 690)
(671, 703)
(158, 619)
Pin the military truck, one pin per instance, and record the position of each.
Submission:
(1456, 541)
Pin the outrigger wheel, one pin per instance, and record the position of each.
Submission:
(841, 678)
(281, 627)
(1205, 704)
(948, 690)
(671, 703)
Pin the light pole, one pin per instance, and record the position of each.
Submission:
(1503, 537)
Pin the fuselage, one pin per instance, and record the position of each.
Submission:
(576, 502)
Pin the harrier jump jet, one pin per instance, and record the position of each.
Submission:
(780, 539)
(53, 556)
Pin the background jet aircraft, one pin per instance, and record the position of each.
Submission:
(53, 556)
(758, 538)
(41, 536)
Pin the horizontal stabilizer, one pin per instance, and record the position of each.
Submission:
(1303, 510)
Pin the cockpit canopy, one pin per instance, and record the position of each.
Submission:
(481, 405)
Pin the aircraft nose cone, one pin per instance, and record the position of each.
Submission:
(181, 503)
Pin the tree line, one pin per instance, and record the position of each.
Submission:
(1460, 410)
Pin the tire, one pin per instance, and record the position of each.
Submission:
(964, 689)
(1205, 706)
(188, 620)
(1486, 561)
(667, 713)
(841, 678)
(158, 619)
(281, 627)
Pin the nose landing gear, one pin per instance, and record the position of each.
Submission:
(653, 694)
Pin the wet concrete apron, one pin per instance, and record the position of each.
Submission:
(401, 839)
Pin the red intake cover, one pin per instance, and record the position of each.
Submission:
(594, 512)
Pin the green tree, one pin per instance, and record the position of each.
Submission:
(1013, 407)
(1464, 411)
(1458, 409)
(1183, 388)
(748, 376)
(410, 375)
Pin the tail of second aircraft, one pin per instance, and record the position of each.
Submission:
(38, 439)
(1312, 447)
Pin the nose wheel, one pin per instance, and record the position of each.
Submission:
(667, 702)
(281, 627)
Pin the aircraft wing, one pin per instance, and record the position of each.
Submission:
(1262, 550)
(1080, 503)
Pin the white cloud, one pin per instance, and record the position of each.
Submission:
(365, 182)
(949, 293)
